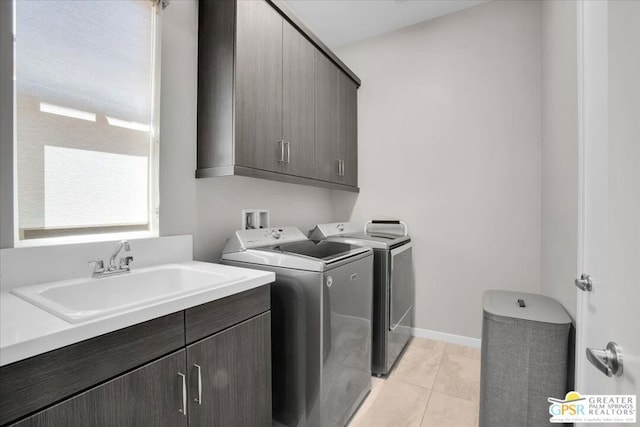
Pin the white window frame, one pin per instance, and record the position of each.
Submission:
(153, 169)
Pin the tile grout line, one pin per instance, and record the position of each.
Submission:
(431, 390)
(464, 357)
(458, 397)
(424, 413)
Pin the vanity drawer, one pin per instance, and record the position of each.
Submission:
(32, 384)
(207, 319)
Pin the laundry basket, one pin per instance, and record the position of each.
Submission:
(525, 348)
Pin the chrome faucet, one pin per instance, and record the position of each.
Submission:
(112, 261)
(123, 267)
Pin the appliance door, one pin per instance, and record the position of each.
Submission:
(401, 287)
(346, 375)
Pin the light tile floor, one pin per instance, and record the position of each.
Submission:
(433, 384)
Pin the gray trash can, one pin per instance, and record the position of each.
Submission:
(525, 349)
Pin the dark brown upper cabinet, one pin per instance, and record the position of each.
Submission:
(326, 113)
(348, 129)
(267, 106)
(258, 87)
(336, 113)
(298, 93)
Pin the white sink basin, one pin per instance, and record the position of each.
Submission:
(79, 300)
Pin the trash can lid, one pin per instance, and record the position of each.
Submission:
(522, 305)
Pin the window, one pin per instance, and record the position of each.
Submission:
(86, 118)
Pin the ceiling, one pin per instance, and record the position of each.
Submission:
(340, 22)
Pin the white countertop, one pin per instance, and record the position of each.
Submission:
(27, 330)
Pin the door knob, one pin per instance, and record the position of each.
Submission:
(608, 361)
(584, 283)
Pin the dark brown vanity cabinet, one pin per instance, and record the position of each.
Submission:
(258, 96)
(147, 396)
(231, 376)
(218, 373)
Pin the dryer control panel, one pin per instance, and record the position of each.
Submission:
(322, 231)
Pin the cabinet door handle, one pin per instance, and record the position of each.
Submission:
(288, 145)
(342, 168)
(199, 398)
(338, 167)
(281, 146)
(183, 411)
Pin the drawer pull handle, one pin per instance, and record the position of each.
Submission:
(281, 146)
(287, 145)
(183, 410)
(199, 398)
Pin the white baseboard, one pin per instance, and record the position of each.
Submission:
(443, 336)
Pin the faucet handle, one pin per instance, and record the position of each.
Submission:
(98, 266)
(124, 262)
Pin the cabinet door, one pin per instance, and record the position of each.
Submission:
(298, 103)
(348, 129)
(258, 86)
(326, 113)
(148, 396)
(230, 376)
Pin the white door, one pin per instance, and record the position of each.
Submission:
(609, 250)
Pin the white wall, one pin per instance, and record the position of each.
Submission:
(559, 152)
(210, 208)
(449, 141)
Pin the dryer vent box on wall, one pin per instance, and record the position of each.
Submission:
(525, 352)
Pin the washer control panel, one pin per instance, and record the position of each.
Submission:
(268, 236)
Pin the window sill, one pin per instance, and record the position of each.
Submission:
(87, 238)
